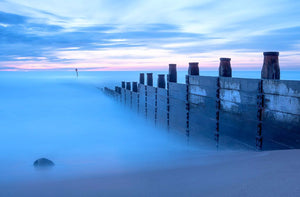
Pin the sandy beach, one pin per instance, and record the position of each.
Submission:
(237, 174)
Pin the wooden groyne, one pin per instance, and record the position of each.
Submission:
(262, 114)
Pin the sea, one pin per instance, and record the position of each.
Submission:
(67, 119)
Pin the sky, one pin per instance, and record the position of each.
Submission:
(146, 35)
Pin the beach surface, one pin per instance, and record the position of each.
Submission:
(100, 148)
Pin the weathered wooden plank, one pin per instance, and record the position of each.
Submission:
(282, 87)
(281, 117)
(134, 99)
(203, 81)
(162, 99)
(142, 102)
(246, 85)
(177, 114)
(128, 98)
(280, 130)
(241, 127)
(285, 104)
(202, 120)
(178, 91)
(202, 91)
(162, 107)
(200, 100)
(243, 109)
(236, 96)
(151, 94)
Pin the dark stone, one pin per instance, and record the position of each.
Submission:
(43, 163)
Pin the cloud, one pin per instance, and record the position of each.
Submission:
(7, 18)
(131, 33)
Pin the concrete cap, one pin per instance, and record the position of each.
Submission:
(225, 59)
(271, 53)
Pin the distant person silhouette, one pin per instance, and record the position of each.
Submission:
(76, 70)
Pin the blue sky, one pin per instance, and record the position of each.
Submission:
(146, 35)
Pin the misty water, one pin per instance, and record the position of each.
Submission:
(70, 121)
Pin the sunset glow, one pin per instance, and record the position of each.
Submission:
(138, 35)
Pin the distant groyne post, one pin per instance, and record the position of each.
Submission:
(225, 67)
(128, 86)
(142, 78)
(172, 76)
(161, 82)
(270, 69)
(224, 71)
(134, 87)
(193, 68)
(148, 93)
(128, 94)
(149, 79)
(261, 114)
(123, 92)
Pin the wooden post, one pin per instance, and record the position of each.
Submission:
(225, 68)
(134, 86)
(128, 86)
(149, 79)
(270, 69)
(161, 82)
(193, 68)
(172, 76)
(142, 78)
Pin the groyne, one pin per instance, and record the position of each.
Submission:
(262, 114)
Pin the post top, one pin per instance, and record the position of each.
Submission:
(172, 65)
(142, 73)
(271, 53)
(161, 75)
(225, 59)
(193, 63)
(149, 73)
